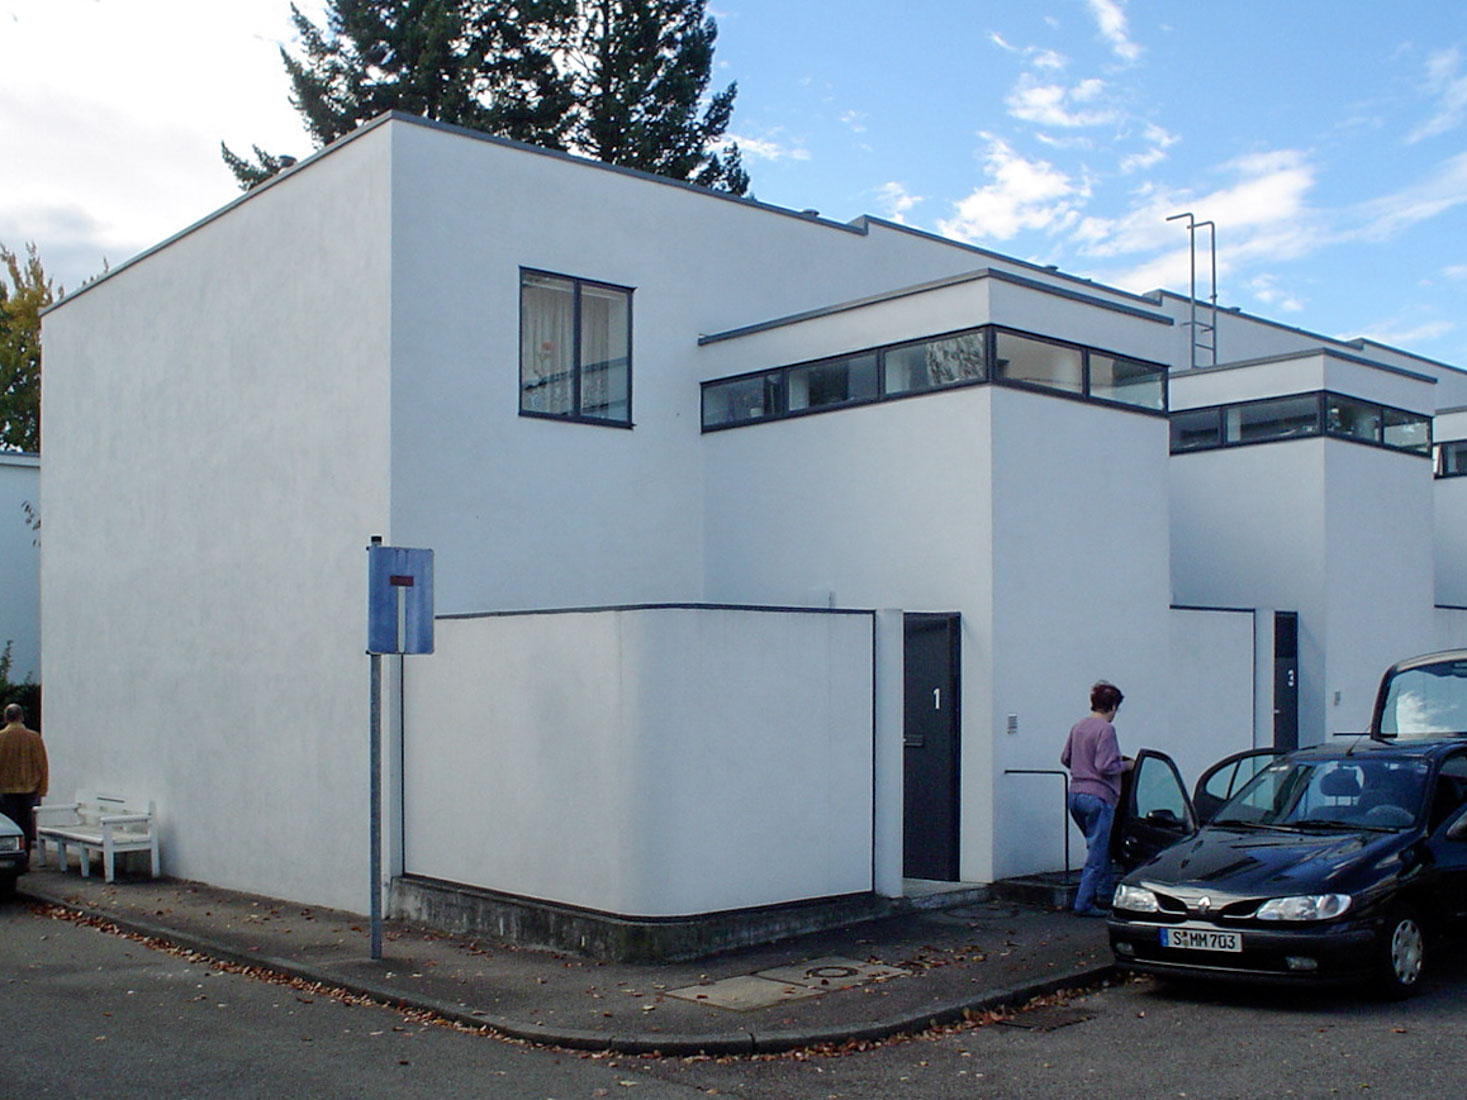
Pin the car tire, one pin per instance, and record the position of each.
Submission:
(1402, 955)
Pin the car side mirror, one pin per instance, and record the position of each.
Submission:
(1457, 830)
(1167, 818)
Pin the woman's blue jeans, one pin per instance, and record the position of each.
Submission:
(1097, 881)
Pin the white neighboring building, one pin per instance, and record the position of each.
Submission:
(713, 488)
(20, 564)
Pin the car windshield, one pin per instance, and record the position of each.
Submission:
(1426, 701)
(1353, 793)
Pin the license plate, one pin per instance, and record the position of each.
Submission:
(1193, 939)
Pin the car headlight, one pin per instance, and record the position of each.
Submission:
(1304, 907)
(1136, 899)
(10, 843)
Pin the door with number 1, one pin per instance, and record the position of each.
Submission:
(930, 739)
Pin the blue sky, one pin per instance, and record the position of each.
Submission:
(1327, 140)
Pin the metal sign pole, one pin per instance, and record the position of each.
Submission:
(399, 620)
(374, 755)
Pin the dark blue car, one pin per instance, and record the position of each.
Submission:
(1333, 864)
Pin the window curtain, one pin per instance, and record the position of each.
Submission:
(547, 345)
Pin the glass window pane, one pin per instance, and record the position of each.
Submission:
(1354, 419)
(1286, 418)
(1196, 430)
(833, 382)
(547, 344)
(934, 363)
(606, 373)
(1451, 459)
(1408, 431)
(740, 400)
(1127, 381)
(1037, 363)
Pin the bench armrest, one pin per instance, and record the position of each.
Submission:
(56, 807)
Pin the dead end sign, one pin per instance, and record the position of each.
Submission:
(399, 600)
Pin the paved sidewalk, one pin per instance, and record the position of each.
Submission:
(872, 981)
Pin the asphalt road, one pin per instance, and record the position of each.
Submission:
(85, 1013)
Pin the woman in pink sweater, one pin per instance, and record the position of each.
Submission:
(1094, 758)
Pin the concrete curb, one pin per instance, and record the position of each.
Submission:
(745, 1041)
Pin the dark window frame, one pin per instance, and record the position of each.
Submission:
(576, 415)
(989, 334)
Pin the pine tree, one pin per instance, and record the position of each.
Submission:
(484, 64)
(640, 69)
(622, 81)
(21, 302)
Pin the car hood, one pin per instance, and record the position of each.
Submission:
(1275, 862)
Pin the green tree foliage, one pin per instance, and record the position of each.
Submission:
(619, 80)
(24, 293)
(639, 70)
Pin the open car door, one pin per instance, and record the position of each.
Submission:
(1154, 811)
(1226, 778)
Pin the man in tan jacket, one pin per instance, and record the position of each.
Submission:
(24, 772)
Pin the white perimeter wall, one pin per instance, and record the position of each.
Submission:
(216, 418)
(20, 565)
(652, 762)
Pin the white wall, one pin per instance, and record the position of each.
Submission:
(529, 513)
(20, 565)
(216, 422)
(1451, 517)
(1211, 689)
(1080, 536)
(654, 762)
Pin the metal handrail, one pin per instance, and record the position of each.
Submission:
(1064, 806)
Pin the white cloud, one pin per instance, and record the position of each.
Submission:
(1455, 271)
(768, 149)
(1450, 87)
(1390, 215)
(1396, 335)
(855, 121)
(1265, 289)
(1110, 17)
(1056, 105)
(896, 200)
(1023, 194)
(1159, 141)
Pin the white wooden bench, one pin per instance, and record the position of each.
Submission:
(102, 823)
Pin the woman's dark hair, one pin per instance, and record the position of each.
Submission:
(1105, 696)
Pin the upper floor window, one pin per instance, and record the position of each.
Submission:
(575, 349)
(1299, 416)
(1451, 458)
(986, 354)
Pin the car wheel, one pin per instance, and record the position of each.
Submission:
(1403, 955)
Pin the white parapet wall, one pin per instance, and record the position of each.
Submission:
(649, 762)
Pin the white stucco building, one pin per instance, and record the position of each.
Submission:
(774, 556)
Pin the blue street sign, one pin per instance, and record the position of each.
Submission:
(399, 600)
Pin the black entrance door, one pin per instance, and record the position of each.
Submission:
(1286, 680)
(930, 814)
